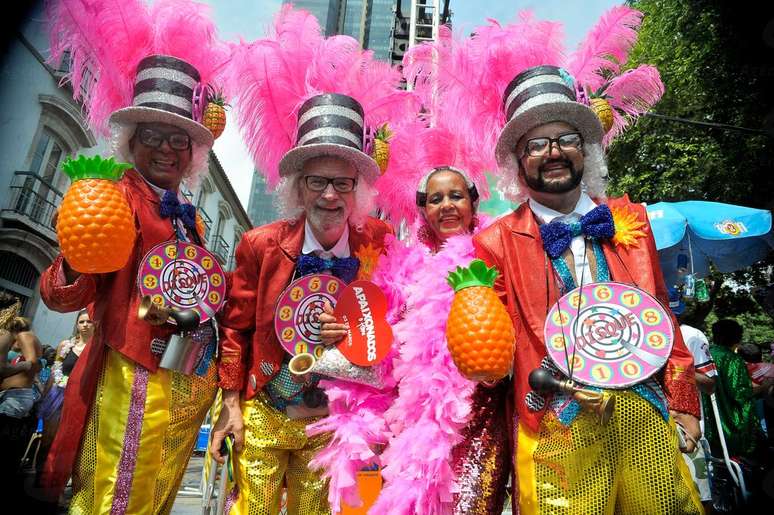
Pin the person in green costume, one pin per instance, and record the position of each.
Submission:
(734, 395)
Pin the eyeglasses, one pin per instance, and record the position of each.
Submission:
(153, 138)
(538, 147)
(340, 184)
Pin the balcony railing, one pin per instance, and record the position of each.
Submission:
(33, 200)
(207, 222)
(220, 248)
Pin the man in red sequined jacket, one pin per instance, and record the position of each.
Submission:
(564, 235)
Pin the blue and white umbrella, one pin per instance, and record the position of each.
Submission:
(692, 235)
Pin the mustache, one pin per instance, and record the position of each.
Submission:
(564, 162)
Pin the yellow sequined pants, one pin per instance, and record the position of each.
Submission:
(139, 436)
(632, 465)
(276, 454)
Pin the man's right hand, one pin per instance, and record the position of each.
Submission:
(229, 422)
(331, 332)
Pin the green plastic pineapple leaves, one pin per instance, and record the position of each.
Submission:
(94, 168)
(475, 274)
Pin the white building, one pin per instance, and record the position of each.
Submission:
(40, 126)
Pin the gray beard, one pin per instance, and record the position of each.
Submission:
(326, 222)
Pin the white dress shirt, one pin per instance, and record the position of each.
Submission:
(311, 245)
(578, 243)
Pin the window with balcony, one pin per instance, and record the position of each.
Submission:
(36, 193)
(218, 244)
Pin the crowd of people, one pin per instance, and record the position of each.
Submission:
(339, 140)
(34, 377)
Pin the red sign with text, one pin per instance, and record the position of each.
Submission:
(363, 308)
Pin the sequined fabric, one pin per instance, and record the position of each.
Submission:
(482, 460)
(632, 465)
(174, 407)
(276, 454)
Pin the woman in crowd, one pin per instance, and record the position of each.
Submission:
(67, 353)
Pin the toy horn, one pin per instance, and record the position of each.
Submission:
(332, 363)
(601, 403)
(186, 319)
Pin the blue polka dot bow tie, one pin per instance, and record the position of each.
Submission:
(343, 268)
(597, 224)
(172, 207)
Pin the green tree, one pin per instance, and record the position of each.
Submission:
(716, 59)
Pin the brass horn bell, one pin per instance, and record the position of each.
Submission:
(600, 403)
(332, 363)
(186, 319)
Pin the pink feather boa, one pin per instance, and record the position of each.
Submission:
(420, 414)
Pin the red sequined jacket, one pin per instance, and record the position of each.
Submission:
(513, 245)
(250, 354)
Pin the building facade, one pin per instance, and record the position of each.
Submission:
(40, 126)
(368, 21)
(261, 207)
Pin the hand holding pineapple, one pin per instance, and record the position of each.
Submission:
(95, 225)
(479, 331)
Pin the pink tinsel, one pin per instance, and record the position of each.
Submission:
(106, 39)
(271, 78)
(421, 421)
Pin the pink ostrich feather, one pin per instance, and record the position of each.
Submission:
(606, 47)
(271, 78)
(461, 80)
(471, 74)
(460, 83)
(106, 39)
(415, 149)
(185, 29)
(632, 94)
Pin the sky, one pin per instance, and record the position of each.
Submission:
(248, 19)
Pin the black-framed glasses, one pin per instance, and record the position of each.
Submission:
(539, 147)
(340, 184)
(153, 138)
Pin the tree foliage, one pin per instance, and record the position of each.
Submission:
(716, 59)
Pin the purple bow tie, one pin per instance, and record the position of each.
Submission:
(597, 224)
(171, 207)
(343, 268)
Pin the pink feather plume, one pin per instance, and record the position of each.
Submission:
(271, 78)
(106, 39)
(461, 80)
(631, 94)
(606, 47)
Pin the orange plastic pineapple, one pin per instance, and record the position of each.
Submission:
(479, 331)
(215, 114)
(95, 224)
